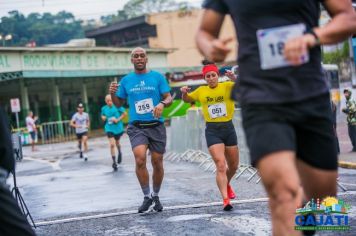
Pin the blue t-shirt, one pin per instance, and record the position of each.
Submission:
(113, 112)
(143, 92)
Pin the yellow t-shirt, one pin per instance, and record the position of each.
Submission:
(216, 102)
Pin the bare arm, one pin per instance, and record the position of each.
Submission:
(167, 100)
(116, 100)
(231, 75)
(88, 122)
(342, 24)
(72, 123)
(103, 118)
(121, 117)
(185, 96)
(207, 41)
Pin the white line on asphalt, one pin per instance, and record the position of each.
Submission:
(199, 205)
(54, 164)
(131, 212)
(347, 184)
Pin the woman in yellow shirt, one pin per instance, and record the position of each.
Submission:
(218, 111)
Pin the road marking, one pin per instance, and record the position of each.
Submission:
(132, 212)
(53, 163)
(347, 184)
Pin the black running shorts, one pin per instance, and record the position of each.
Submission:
(115, 136)
(80, 135)
(304, 127)
(220, 132)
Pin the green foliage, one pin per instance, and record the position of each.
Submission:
(140, 7)
(43, 29)
(135, 8)
(47, 28)
(338, 56)
(109, 19)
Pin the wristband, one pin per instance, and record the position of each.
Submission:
(317, 39)
(164, 104)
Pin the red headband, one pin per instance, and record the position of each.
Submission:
(210, 67)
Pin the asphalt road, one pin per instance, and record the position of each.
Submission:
(92, 199)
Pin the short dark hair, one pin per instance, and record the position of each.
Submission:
(206, 62)
(346, 90)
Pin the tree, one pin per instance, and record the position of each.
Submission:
(109, 19)
(338, 56)
(135, 8)
(141, 7)
(43, 29)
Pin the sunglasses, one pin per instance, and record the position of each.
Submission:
(142, 55)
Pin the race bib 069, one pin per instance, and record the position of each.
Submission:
(217, 110)
(271, 45)
(144, 106)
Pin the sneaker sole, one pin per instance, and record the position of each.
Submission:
(158, 210)
(150, 209)
(228, 207)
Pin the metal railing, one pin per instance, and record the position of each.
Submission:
(57, 131)
(187, 143)
(49, 132)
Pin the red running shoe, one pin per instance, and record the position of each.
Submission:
(230, 192)
(227, 205)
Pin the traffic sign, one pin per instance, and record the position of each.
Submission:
(15, 105)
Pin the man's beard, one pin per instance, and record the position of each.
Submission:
(140, 68)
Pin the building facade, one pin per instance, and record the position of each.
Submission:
(170, 30)
(52, 81)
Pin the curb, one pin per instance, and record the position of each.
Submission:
(347, 164)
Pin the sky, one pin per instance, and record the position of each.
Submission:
(82, 9)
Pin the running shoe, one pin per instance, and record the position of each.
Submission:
(119, 157)
(227, 205)
(85, 157)
(81, 154)
(114, 166)
(147, 202)
(230, 192)
(158, 206)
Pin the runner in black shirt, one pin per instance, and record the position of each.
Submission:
(285, 102)
(12, 221)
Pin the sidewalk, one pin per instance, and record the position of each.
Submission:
(347, 159)
(57, 151)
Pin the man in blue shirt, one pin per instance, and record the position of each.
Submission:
(147, 93)
(114, 127)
